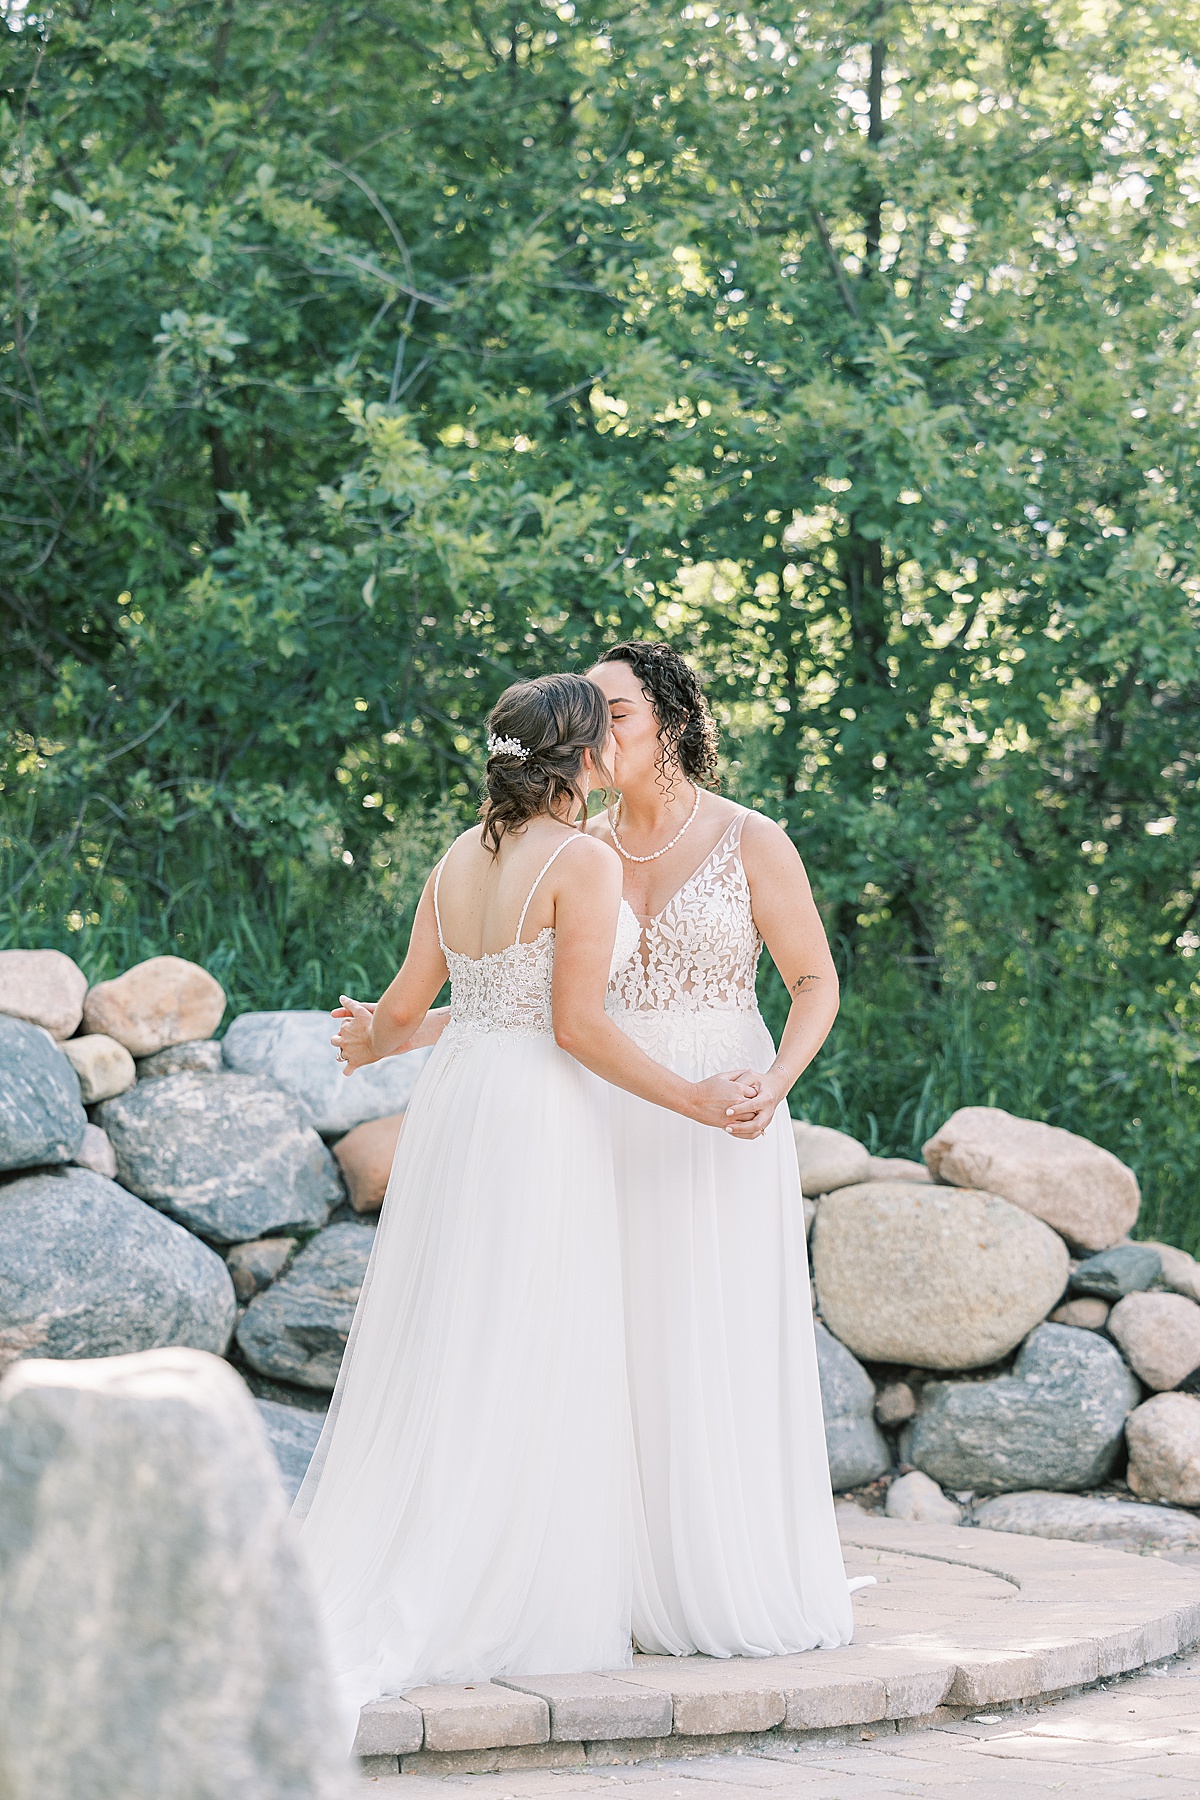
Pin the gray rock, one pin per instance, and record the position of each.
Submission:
(294, 1050)
(228, 1155)
(1084, 1519)
(1055, 1422)
(293, 1435)
(858, 1450)
(157, 1636)
(87, 1270)
(297, 1329)
(1125, 1269)
(200, 1056)
(895, 1403)
(41, 1113)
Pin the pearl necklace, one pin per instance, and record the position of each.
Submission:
(655, 854)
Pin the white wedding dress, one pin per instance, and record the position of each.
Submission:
(737, 1551)
(468, 1512)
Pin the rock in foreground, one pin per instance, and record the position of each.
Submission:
(157, 1639)
(939, 1278)
(297, 1330)
(294, 1049)
(1084, 1192)
(156, 1003)
(43, 987)
(1086, 1520)
(228, 1155)
(1164, 1449)
(41, 1114)
(1055, 1422)
(828, 1159)
(1160, 1334)
(293, 1435)
(87, 1270)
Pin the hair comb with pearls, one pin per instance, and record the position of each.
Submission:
(506, 746)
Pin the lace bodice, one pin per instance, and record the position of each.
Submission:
(510, 990)
(702, 949)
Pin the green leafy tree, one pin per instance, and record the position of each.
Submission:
(357, 361)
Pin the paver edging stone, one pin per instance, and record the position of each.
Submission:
(1078, 1613)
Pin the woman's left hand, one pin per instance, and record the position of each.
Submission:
(750, 1117)
(353, 1041)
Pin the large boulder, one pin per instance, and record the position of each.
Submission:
(88, 1270)
(104, 1067)
(157, 1636)
(365, 1157)
(295, 1049)
(231, 1156)
(937, 1277)
(1055, 1422)
(162, 1001)
(41, 1113)
(297, 1330)
(44, 987)
(1084, 1192)
(858, 1450)
(293, 1435)
(1086, 1519)
(1164, 1449)
(828, 1159)
(1160, 1334)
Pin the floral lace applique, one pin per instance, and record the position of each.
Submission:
(702, 949)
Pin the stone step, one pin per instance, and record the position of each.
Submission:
(958, 1619)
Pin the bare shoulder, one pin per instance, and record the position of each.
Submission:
(766, 847)
(594, 857)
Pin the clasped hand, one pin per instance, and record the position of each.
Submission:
(352, 1040)
(740, 1102)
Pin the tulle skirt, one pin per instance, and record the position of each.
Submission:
(468, 1512)
(737, 1551)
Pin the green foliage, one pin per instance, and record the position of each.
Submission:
(355, 363)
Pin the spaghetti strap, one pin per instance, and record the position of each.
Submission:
(533, 890)
(437, 876)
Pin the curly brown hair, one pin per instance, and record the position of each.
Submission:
(687, 730)
(554, 719)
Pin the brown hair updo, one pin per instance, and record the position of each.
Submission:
(555, 718)
(687, 730)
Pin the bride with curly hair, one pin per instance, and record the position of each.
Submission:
(738, 1553)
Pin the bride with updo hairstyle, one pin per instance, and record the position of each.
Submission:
(469, 1511)
(739, 1555)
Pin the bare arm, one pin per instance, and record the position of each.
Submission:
(368, 1032)
(588, 892)
(428, 1031)
(786, 915)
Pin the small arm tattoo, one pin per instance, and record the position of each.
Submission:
(800, 985)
